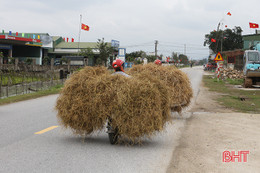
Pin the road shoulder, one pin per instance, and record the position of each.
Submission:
(211, 130)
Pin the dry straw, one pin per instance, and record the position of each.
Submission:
(139, 106)
(180, 90)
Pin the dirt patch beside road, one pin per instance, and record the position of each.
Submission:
(211, 130)
(205, 103)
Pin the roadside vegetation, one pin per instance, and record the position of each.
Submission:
(18, 79)
(53, 90)
(239, 100)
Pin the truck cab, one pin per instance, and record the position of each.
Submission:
(251, 68)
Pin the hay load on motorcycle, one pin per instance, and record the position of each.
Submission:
(137, 107)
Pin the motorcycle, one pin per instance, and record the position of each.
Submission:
(112, 132)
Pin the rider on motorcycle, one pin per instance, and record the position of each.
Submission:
(158, 62)
(118, 66)
(113, 134)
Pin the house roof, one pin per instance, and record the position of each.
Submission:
(251, 37)
(55, 38)
(76, 45)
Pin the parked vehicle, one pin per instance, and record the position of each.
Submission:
(210, 66)
(251, 68)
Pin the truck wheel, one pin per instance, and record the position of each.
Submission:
(248, 82)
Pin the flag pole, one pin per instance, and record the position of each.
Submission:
(79, 32)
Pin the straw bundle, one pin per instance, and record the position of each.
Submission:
(138, 106)
(75, 106)
(180, 90)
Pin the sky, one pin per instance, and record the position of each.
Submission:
(178, 25)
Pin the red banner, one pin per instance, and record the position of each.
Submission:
(8, 37)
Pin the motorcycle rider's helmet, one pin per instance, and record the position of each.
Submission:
(118, 65)
(158, 62)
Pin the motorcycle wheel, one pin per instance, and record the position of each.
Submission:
(113, 137)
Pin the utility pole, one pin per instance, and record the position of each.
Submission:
(79, 32)
(156, 43)
(222, 35)
(216, 38)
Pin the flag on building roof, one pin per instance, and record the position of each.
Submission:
(84, 27)
(16, 34)
(22, 34)
(10, 32)
(39, 37)
(3, 31)
(229, 14)
(253, 25)
(72, 39)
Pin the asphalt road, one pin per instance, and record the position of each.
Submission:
(58, 150)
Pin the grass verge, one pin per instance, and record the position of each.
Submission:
(247, 101)
(53, 90)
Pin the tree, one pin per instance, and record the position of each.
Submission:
(130, 57)
(175, 57)
(231, 39)
(203, 61)
(105, 51)
(151, 58)
(87, 53)
(184, 59)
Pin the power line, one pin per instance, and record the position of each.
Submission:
(141, 44)
(178, 43)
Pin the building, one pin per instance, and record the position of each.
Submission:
(21, 46)
(250, 40)
(71, 51)
(234, 58)
(39, 46)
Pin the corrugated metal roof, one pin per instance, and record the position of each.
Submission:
(75, 45)
(54, 38)
(251, 37)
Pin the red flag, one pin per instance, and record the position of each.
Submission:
(253, 25)
(229, 14)
(72, 40)
(16, 33)
(84, 27)
(226, 26)
(64, 39)
(67, 39)
(213, 40)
